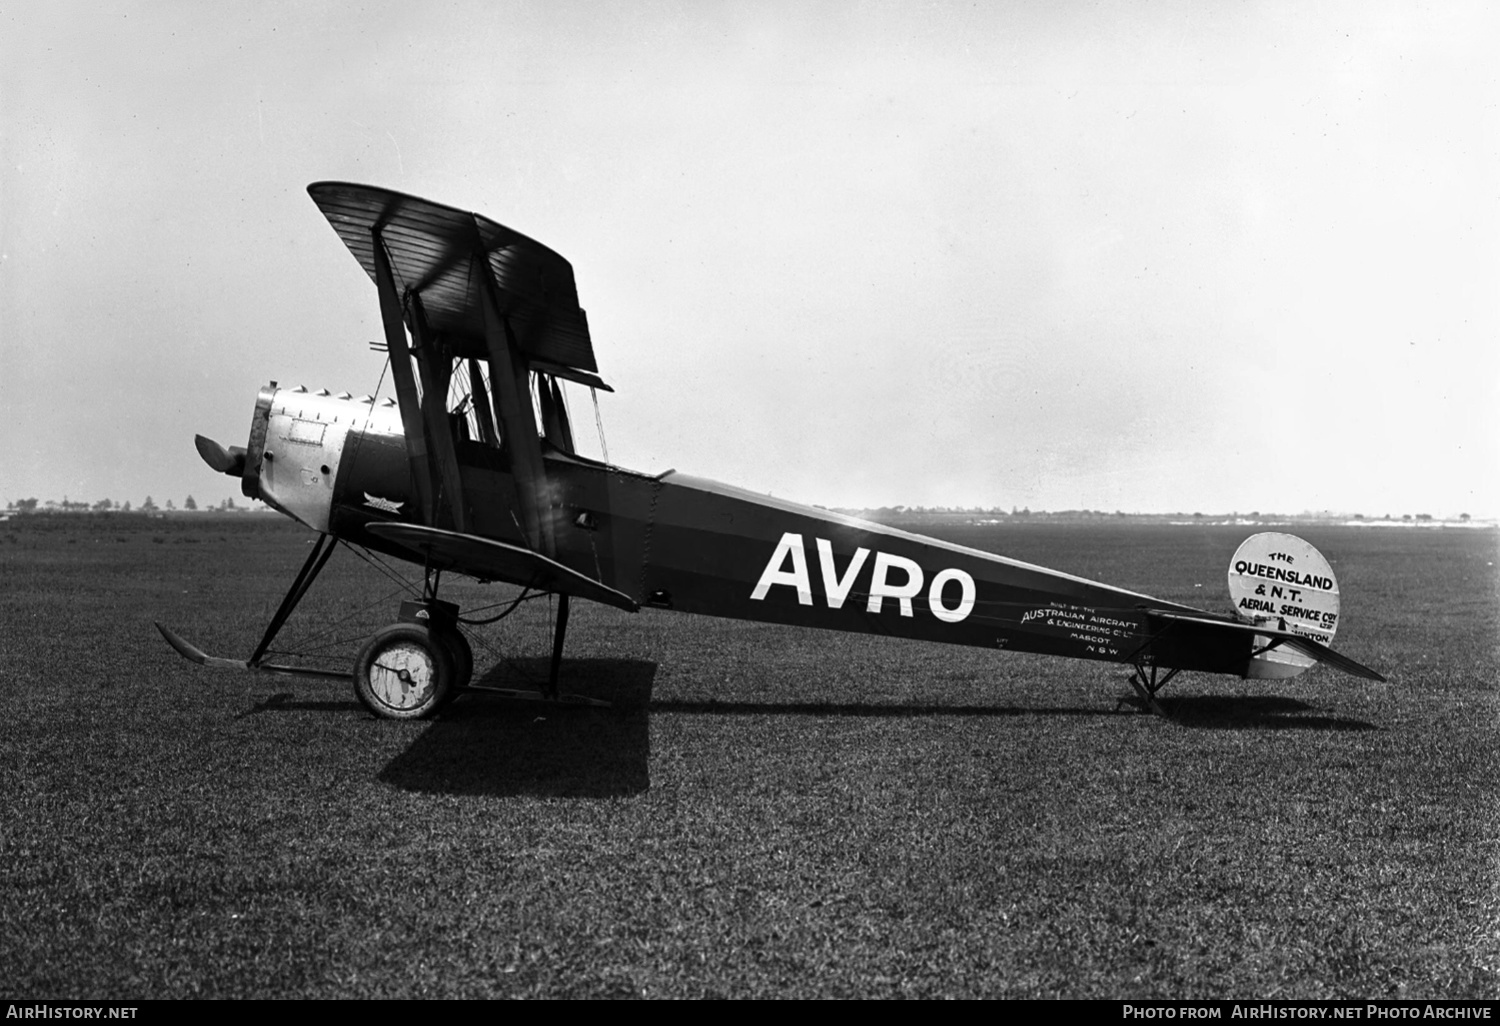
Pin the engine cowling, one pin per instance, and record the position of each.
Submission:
(299, 441)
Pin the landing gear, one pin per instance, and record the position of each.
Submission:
(559, 633)
(462, 655)
(411, 669)
(404, 673)
(1146, 684)
(408, 670)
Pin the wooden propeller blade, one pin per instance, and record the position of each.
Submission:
(229, 461)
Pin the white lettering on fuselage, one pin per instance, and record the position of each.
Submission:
(906, 585)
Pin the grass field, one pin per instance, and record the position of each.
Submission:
(768, 812)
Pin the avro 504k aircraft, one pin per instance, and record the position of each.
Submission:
(473, 471)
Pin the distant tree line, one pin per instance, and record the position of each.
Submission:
(881, 513)
(67, 505)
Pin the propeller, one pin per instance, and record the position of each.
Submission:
(230, 461)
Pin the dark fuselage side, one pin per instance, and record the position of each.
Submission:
(697, 546)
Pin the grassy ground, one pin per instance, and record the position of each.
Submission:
(769, 813)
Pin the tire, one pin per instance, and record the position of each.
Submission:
(461, 655)
(403, 673)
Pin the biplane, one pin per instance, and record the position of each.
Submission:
(472, 470)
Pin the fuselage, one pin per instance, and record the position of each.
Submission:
(674, 541)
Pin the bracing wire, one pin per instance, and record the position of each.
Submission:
(384, 568)
(599, 423)
(315, 643)
(306, 646)
(525, 596)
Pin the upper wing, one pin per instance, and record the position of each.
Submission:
(431, 247)
(471, 554)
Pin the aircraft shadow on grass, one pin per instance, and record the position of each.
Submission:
(1250, 712)
(490, 744)
(286, 701)
(1216, 712)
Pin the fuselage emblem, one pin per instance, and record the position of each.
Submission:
(385, 505)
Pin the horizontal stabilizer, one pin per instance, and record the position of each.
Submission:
(1307, 646)
(493, 560)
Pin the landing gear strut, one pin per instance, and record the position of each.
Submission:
(1144, 680)
(408, 670)
(557, 646)
(411, 669)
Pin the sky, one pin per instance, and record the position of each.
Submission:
(1148, 257)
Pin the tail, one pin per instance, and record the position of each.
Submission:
(1284, 588)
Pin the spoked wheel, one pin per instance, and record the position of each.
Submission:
(405, 673)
